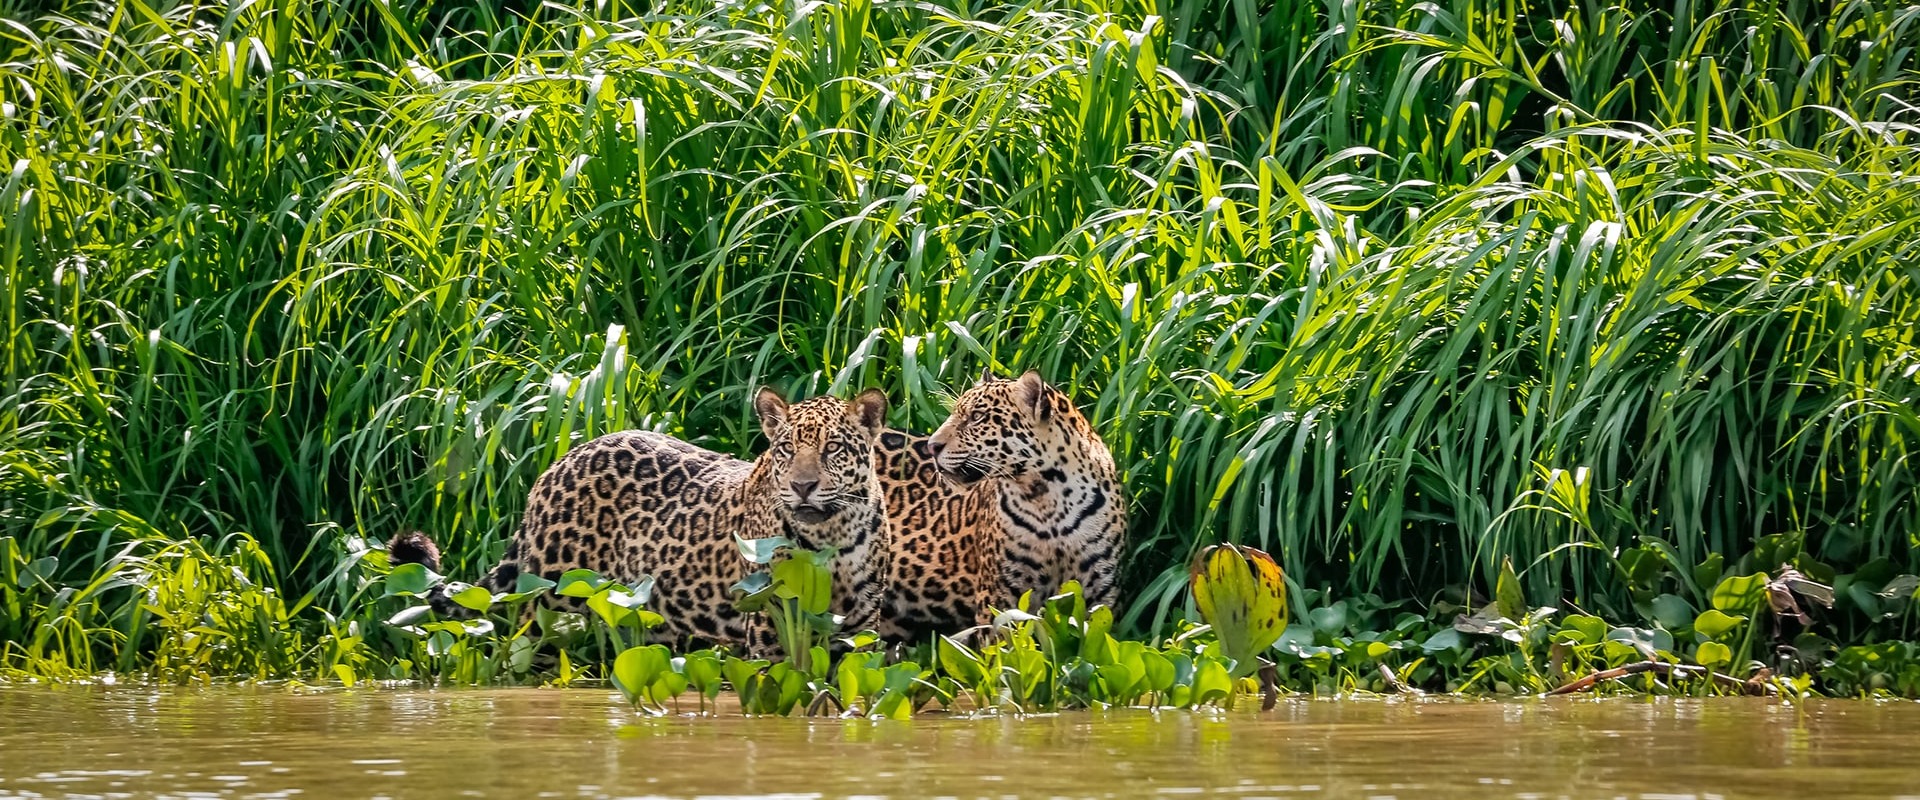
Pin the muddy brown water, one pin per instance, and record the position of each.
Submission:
(583, 743)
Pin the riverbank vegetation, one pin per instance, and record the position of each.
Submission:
(1593, 307)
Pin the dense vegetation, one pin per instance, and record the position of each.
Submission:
(1399, 292)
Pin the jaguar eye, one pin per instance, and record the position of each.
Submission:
(832, 449)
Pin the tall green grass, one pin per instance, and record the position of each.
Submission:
(1393, 290)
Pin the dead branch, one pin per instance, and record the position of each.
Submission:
(1757, 686)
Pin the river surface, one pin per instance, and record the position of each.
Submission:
(583, 743)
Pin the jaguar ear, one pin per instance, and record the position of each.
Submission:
(413, 547)
(986, 375)
(1031, 392)
(771, 408)
(869, 410)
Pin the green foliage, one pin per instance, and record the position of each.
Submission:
(646, 674)
(793, 595)
(1621, 293)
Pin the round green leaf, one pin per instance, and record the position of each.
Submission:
(1741, 594)
(579, 583)
(1446, 639)
(1714, 623)
(1713, 654)
(1211, 682)
(410, 580)
(637, 668)
(1159, 671)
(473, 597)
(1583, 629)
(529, 583)
(1673, 612)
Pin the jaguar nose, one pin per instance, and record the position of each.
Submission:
(804, 489)
(934, 446)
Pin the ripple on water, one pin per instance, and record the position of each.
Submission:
(246, 743)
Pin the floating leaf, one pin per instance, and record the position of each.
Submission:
(473, 597)
(1707, 573)
(1648, 642)
(1295, 640)
(703, 671)
(1865, 599)
(579, 583)
(666, 687)
(763, 550)
(1158, 669)
(602, 604)
(520, 654)
(895, 699)
(624, 599)
(1714, 623)
(1713, 654)
(1446, 639)
(753, 592)
(410, 615)
(805, 581)
(440, 633)
(1643, 567)
(1673, 612)
(1582, 629)
(559, 623)
(636, 668)
(1741, 594)
(1119, 679)
(791, 684)
(1211, 683)
(739, 671)
(410, 580)
(859, 677)
(1024, 669)
(1329, 619)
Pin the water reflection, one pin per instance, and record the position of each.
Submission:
(128, 742)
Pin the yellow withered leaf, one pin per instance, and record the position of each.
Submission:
(1243, 596)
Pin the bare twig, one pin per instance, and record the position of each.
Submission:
(1757, 686)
